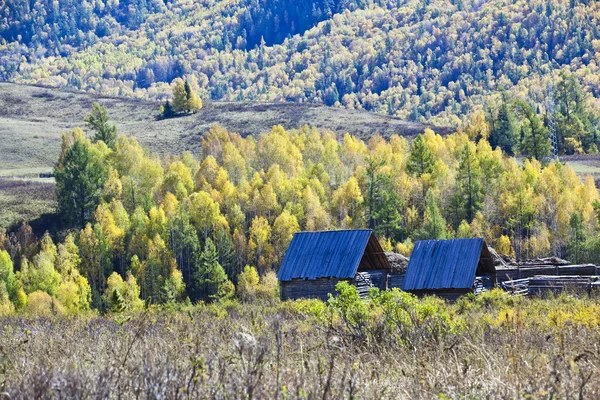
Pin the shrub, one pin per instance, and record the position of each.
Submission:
(42, 304)
(248, 282)
(495, 299)
(351, 308)
(122, 295)
(227, 290)
(268, 289)
(409, 319)
(309, 307)
(6, 306)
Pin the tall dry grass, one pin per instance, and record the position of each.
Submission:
(492, 347)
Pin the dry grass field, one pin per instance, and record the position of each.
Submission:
(25, 200)
(494, 347)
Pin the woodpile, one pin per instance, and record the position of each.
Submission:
(366, 280)
(543, 284)
(397, 262)
(530, 270)
(516, 287)
(543, 275)
(363, 283)
(483, 284)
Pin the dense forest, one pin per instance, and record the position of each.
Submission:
(217, 224)
(435, 61)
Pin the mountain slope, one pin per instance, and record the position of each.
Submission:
(433, 60)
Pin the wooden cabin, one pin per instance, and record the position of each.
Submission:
(316, 261)
(450, 268)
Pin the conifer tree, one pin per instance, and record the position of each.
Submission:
(179, 96)
(97, 121)
(469, 181)
(577, 237)
(372, 167)
(194, 103)
(535, 142)
(386, 208)
(185, 99)
(434, 224)
(573, 120)
(167, 110)
(421, 158)
(504, 127)
(210, 275)
(80, 176)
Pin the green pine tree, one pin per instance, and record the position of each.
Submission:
(210, 275)
(167, 110)
(469, 181)
(434, 224)
(80, 176)
(97, 121)
(421, 160)
(504, 127)
(574, 122)
(535, 141)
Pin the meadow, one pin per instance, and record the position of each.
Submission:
(391, 345)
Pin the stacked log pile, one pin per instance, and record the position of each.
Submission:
(527, 271)
(363, 283)
(483, 284)
(398, 263)
(516, 287)
(543, 275)
(544, 284)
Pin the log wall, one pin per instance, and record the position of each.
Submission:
(395, 281)
(308, 289)
(321, 288)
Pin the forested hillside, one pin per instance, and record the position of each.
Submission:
(436, 60)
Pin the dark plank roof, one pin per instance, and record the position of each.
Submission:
(331, 254)
(447, 264)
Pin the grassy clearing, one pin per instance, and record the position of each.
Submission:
(25, 200)
(584, 168)
(29, 174)
(392, 346)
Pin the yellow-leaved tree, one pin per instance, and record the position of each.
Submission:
(185, 99)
